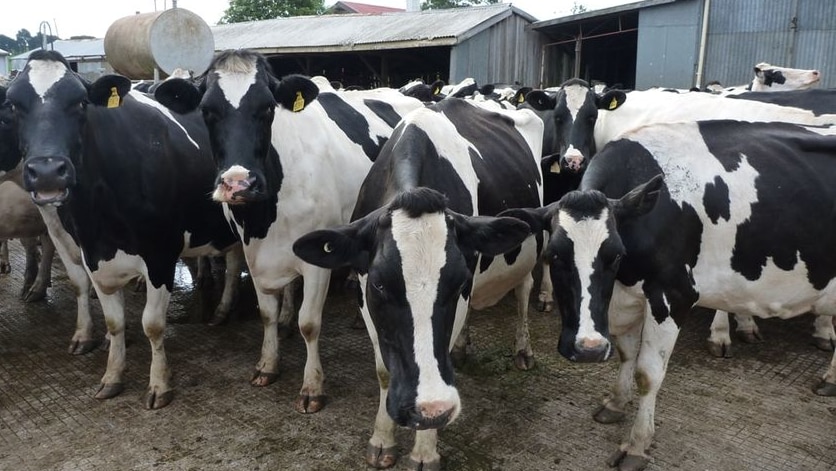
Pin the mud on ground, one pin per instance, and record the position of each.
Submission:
(752, 412)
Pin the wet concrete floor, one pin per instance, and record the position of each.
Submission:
(752, 412)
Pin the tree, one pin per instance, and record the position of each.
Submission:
(578, 8)
(252, 10)
(442, 4)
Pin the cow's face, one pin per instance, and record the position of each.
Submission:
(50, 102)
(9, 150)
(772, 78)
(238, 99)
(569, 116)
(584, 254)
(415, 260)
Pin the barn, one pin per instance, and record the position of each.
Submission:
(685, 43)
(492, 43)
(86, 56)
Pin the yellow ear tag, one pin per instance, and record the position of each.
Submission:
(522, 98)
(613, 104)
(298, 103)
(113, 100)
(555, 168)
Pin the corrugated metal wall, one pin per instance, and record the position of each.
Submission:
(744, 32)
(505, 52)
(668, 44)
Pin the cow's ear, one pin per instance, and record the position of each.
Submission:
(550, 164)
(640, 200)
(295, 92)
(490, 235)
(538, 219)
(179, 95)
(346, 245)
(611, 100)
(519, 97)
(109, 90)
(435, 88)
(540, 100)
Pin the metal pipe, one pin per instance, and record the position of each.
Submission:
(703, 43)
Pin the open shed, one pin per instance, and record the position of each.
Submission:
(489, 43)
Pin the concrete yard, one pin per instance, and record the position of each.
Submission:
(755, 411)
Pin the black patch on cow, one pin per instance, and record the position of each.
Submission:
(384, 111)
(716, 200)
(819, 101)
(351, 122)
(419, 201)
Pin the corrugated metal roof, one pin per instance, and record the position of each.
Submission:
(352, 32)
(540, 25)
(73, 49)
(365, 8)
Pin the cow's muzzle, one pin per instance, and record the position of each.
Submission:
(587, 350)
(48, 179)
(435, 414)
(237, 190)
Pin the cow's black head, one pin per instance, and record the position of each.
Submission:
(49, 102)
(569, 115)
(238, 98)
(584, 253)
(415, 259)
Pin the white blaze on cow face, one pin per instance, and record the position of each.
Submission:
(421, 243)
(236, 78)
(575, 99)
(44, 74)
(588, 236)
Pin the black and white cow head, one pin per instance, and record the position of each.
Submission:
(50, 103)
(584, 254)
(773, 78)
(569, 115)
(415, 259)
(238, 98)
(9, 150)
(421, 91)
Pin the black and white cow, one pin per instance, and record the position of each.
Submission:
(722, 214)
(425, 250)
(569, 113)
(290, 155)
(421, 91)
(773, 78)
(128, 181)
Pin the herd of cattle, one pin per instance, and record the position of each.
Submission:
(640, 204)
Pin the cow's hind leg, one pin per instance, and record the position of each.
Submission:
(159, 392)
(37, 291)
(232, 281)
(524, 356)
(287, 309)
(827, 385)
(315, 289)
(719, 341)
(747, 330)
(824, 336)
(30, 246)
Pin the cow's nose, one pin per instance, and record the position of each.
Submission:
(573, 161)
(434, 414)
(591, 350)
(47, 173)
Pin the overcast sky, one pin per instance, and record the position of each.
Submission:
(92, 17)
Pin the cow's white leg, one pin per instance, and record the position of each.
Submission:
(719, 341)
(113, 306)
(232, 281)
(37, 291)
(314, 290)
(424, 455)
(524, 358)
(287, 309)
(159, 392)
(824, 336)
(267, 368)
(70, 255)
(5, 266)
(381, 451)
(827, 386)
(747, 329)
(546, 295)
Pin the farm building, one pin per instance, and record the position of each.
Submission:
(4, 63)
(86, 56)
(669, 42)
(489, 43)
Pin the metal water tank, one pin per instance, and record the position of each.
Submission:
(168, 39)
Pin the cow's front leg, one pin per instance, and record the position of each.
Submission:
(381, 452)
(827, 386)
(657, 343)
(424, 455)
(287, 309)
(159, 392)
(5, 266)
(524, 357)
(37, 291)
(719, 341)
(546, 296)
(113, 306)
(824, 337)
(30, 246)
(314, 290)
(267, 368)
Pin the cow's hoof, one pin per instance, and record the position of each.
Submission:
(719, 350)
(218, 318)
(626, 462)
(153, 400)
(825, 389)
(824, 344)
(381, 458)
(34, 295)
(285, 331)
(605, 415)
(109, 390)
(81, 347)
(105, 345)
(750, 337)
(261, 378)
(414, 465)
(545, 306)
(524, 361)
(309, 404)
